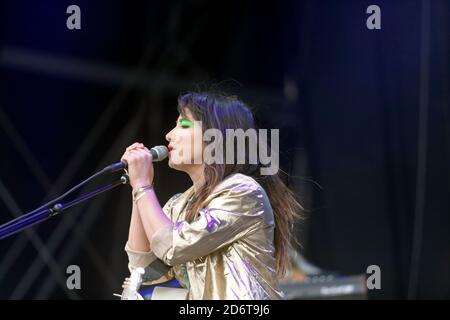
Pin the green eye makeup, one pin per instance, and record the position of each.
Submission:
(186, 123)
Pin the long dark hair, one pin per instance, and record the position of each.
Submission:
(222, 111)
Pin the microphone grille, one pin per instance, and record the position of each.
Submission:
(159, 153)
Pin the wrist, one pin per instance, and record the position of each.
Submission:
(140, 184)
(139, 193)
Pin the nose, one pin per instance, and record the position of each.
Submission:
(169, 135)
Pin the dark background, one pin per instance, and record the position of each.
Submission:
(363, 116)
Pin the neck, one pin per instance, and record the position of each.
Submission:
(197, 176)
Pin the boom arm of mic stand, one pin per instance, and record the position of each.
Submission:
(9, 228)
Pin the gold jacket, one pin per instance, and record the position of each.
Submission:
(225, 253)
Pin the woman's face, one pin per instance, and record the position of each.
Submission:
(185, 143)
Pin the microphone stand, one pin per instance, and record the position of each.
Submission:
(27, 220)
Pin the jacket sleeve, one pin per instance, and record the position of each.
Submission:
(233, 213)
(142, 259)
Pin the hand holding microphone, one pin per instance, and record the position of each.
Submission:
(139, 161)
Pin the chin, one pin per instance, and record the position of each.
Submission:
(175, 166)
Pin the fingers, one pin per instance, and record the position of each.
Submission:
(140, 154)
(126, 283)
(127, 156)
(135, 146)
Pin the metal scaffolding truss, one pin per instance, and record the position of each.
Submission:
(78, 222)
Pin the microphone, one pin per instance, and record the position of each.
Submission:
(158, 153)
